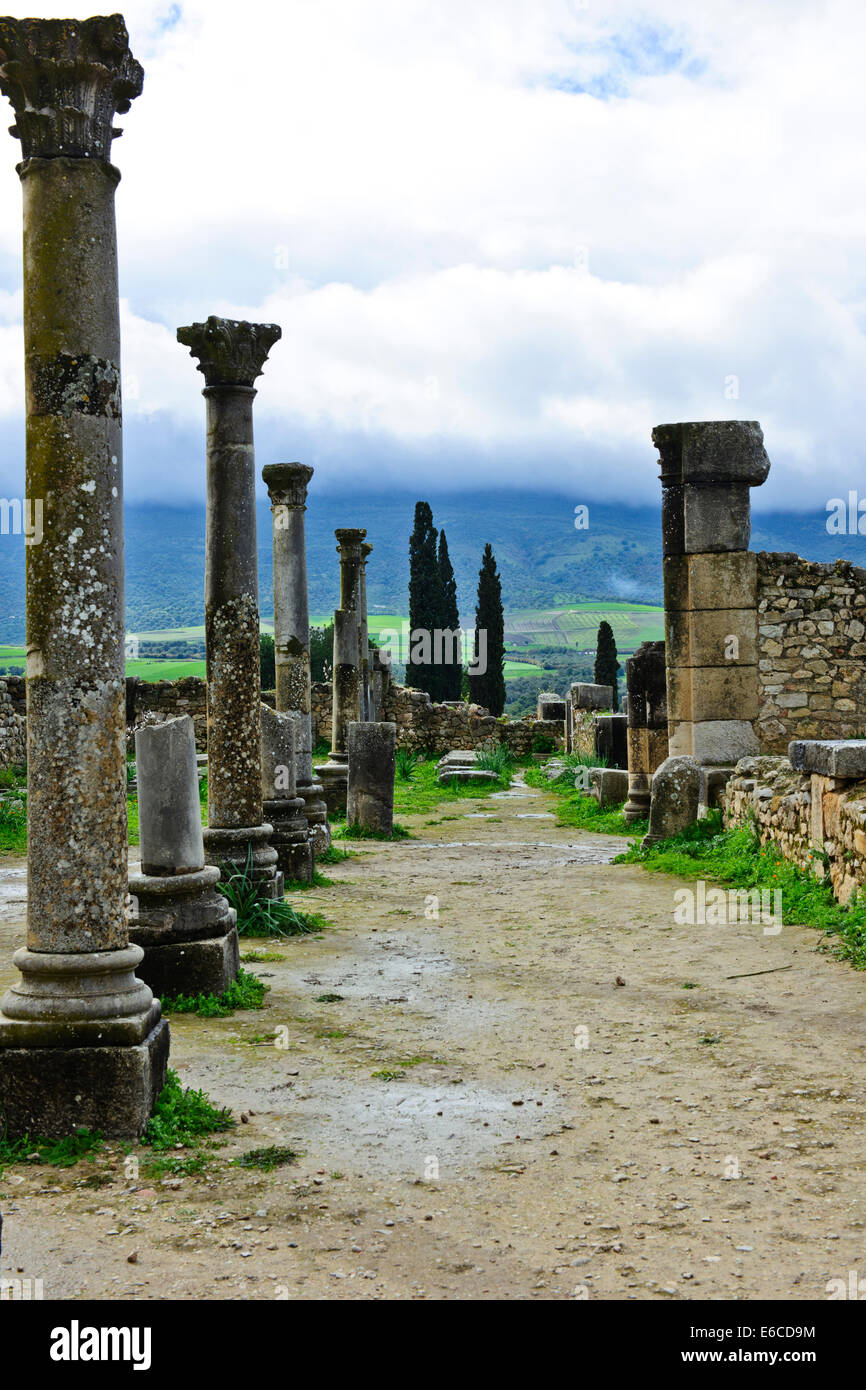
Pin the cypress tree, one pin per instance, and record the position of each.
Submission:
(606, 664)
(449, 674)
(423, 595)
(488, 688)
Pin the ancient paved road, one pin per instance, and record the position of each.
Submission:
(563, 1171)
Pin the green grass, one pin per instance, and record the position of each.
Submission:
(55, 1153)
(13, 827)
(266, 1160)
(183, 1117)
(165, 669)
(299, 885)
(498, 758)
(575, 808)
(736, 857)
(246, 992)
(260, 916)
(423, 792)
(335, 855)
(363, 832)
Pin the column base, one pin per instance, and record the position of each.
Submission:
(334, 777)
(290, 838)
(637, 807)
(316, 812)
(238, 847)
(53, 1091)
(186, 929)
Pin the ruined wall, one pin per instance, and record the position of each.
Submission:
(818, 823)
(811, 650)
(420, 724)
(13, 726)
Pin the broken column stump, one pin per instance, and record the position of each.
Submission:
(178, 916)
(346, 677)
(282, 808)
(647, 732)
(372, 758)
(287, 485)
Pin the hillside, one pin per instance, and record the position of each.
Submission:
(545, 563)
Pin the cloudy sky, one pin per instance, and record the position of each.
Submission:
(503, 238)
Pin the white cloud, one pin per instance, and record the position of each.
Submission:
(410, 190)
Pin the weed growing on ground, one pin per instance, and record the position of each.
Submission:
(246, 992)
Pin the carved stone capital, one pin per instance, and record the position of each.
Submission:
(230, 353)
(349, 540)
(67, 79)
(366, 548)
(287, 483)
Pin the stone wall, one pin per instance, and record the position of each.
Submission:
(818, 823)
(811, 650)
(13, 726)
(420, 724)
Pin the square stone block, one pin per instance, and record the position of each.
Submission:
(657, 746)
(703, 582)
(191, 967)
(830, 757)
(637, 743)
(714, 740)
(716, 519)
(52, 1091)
(713, 692)
(705, 638)
(712, 453)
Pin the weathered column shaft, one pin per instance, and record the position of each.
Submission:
(346, 677)
(287, 485)
(66, 80)
(370, 799)
(647, 731)
(346, 683)
(231, 356)
(364, 632)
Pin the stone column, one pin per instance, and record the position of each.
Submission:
(346, 677)
(710, 586)
(82, 1042)
(231, 356)
(287, 489)
(647, 732)
(370, 803)
(184, 924)
(282, 806)
(364, 633)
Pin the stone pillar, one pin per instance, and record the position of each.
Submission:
(364, 633)
(609, 733)
(647, 724)
(710, 585)
(82, 1042)
(287, 488)
(231, 356)
(346, 677)
(282, 807)
(184, 924)
(370, 804)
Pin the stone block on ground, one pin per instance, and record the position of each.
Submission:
(675, 798)
(610, 785)
(829, 757)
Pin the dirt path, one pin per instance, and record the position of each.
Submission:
(563, 1171)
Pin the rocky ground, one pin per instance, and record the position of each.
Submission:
(575, 1083)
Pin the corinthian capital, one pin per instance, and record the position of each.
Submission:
(66, 79)
(287, 483)
(230, 353)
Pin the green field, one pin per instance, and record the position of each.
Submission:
(576, 625)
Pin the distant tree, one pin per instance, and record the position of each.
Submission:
(267, 661)
(606, 664)
(321, 652)
(488, 687)
(424, 600)
(449, 675)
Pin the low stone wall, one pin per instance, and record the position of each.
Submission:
(420, 723)
(811, 650)
(818, 823)
(13, 727)
(154, 701)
